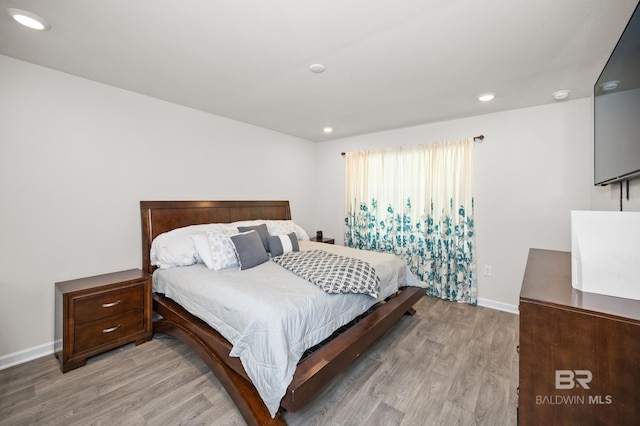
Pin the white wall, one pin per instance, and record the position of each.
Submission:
(607, 198)
(76, 157)
(532, 169)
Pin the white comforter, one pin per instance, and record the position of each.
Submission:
(270, 315)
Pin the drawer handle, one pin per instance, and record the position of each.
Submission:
(109, 330)
(112, 304)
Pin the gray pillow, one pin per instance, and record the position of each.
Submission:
(280, 244)
(261, 229)
(249, 249)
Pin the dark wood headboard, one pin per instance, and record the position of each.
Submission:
(162, 216)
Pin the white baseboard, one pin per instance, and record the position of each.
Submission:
(488, 303)
(25, 355)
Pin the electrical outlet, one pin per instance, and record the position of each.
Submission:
(487, 270)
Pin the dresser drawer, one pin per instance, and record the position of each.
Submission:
(107, 303)
(107, 330)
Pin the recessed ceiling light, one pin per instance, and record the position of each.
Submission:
(610, 85)
(561, 95)
(28, 19)
(486, 97)
(316, 68)
(328, 129)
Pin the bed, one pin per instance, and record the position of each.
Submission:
(315, 370)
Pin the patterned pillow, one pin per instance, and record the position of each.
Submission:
(249, 249)
(280, 244)
(222, 253)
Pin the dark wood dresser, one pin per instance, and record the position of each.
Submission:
(99, 313)
(579, 352)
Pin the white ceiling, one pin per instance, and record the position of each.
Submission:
(389, 64)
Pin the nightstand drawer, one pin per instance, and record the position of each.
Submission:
(112, 302)
(107, 330)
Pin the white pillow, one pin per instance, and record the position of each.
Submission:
(223, 254)
(301, 233)
(201, 242)
(248, 222)
(280, 227)
(175, 247)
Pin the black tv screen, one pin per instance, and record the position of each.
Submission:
(616, 110)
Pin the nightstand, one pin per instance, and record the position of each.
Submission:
(323, 240)
(100, 313)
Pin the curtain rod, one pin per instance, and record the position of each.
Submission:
(475, 139)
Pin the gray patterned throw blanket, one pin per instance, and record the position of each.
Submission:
(331, 272)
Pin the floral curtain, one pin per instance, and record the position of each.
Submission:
(417, 202)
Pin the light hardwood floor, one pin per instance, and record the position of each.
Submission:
(450, 364)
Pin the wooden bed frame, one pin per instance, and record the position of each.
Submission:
(312, 373)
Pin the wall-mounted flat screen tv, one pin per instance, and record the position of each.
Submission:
(616, 110)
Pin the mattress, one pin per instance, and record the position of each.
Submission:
(271, 316)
